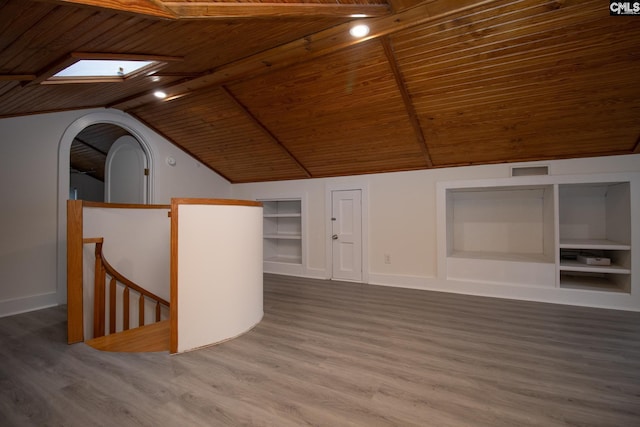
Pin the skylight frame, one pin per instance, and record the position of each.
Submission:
(155, 63)
(106, 69)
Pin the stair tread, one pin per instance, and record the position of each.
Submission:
(147, 338)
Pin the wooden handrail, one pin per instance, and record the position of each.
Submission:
(102, 269)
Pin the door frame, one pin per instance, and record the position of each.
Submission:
(364, 192)
(114, 117)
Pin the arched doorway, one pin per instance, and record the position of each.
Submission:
(108, 164)
(109, 117)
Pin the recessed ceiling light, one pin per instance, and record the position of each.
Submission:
(358, 15)
(359, 31)
(159, 94)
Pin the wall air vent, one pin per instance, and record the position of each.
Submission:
(529, 170)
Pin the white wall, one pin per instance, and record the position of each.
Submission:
(137, 244)
(219, 273)
(88, 187)
(28, 221)
(34, 176)
(401, 206)
(402, 214)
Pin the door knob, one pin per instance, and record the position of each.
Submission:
(334, 237)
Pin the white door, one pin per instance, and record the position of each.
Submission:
(346, 220)
(125, 179)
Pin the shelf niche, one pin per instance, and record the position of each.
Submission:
(595, 218)
(282, 235)
(501, 234)
(501, 223)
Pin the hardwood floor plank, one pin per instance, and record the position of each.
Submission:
(341, 354)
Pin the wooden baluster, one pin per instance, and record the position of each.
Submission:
(99, 297)
(141, 310)
(112, 306)
(102, 268)
(125, 309)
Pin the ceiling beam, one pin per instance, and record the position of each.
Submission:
(140, 7)
(226, 10)
(223, 10)
(408, 103)
(266, 131)
(636, 149)
(307, 48)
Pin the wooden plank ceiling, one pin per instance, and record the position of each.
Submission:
(276, 90)
(90, 147)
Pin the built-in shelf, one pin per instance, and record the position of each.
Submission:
(282, 235)
(501, 223)
(501, 234)
(541, 231)
(593, 244)
(595, 218)
(291, 260)
(570, 265)
(283, 215)
(602, 283)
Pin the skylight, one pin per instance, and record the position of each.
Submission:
(103, 68)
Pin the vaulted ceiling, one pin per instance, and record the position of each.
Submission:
(272, 90)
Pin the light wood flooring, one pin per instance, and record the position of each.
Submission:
(341, 354)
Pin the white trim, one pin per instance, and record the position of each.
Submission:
(314, 273)
(584, 298)
(399, 281)
(22, 305)
(114, 117)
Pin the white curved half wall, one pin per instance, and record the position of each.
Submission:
(217, 275)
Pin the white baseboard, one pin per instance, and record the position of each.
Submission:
(315, 273)
(22, 305)
(309, 273)
(399, 281)
(546, 294)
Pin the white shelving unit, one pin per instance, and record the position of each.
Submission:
(595, 218)
(282, 235)
(525, 234)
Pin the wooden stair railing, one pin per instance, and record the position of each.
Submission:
(104, 269)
